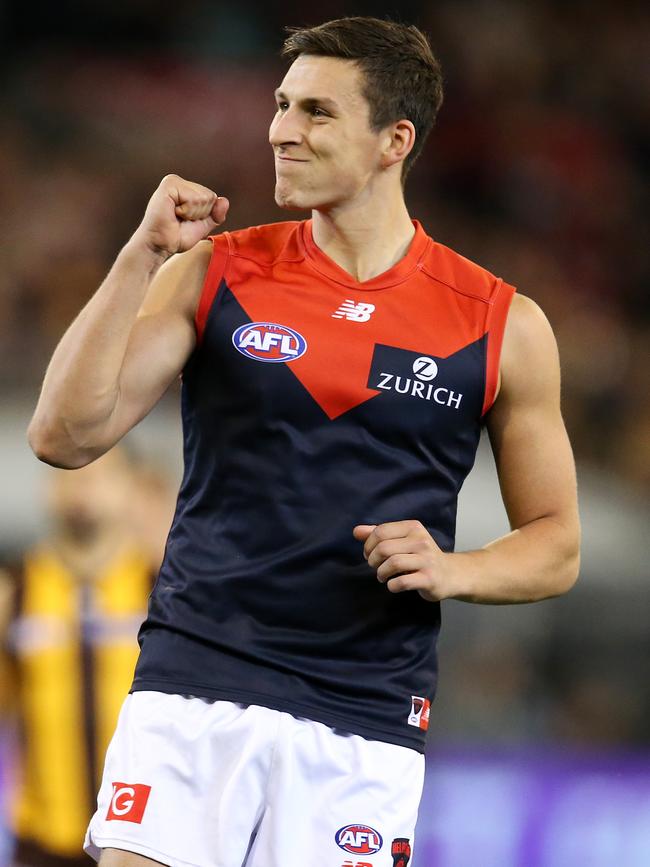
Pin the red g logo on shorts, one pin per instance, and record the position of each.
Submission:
(128, 802)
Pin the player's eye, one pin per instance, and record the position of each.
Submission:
(282, 106)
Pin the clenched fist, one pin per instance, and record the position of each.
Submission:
(407, 558)
(179, 215)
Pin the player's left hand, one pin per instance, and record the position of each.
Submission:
(407, 558)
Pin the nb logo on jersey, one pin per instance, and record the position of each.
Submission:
(359, 312)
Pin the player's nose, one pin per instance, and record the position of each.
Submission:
(285, 129)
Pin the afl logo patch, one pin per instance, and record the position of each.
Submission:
(268, 341)
(358, 839)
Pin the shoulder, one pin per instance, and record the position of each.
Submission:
(181, 276)
(526, 326)
(461, 274)
(529, 357)
(196, 259)
(266, 244)
(178, 283)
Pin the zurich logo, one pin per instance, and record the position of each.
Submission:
(268, 341)
(425, 368)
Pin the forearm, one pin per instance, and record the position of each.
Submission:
(534, 562)
(81, 385)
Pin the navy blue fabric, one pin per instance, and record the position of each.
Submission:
(264, 596)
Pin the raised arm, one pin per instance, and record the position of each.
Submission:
(539, 558)
(133, 337)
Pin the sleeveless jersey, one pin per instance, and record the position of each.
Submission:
(74, 647)
(313, 403)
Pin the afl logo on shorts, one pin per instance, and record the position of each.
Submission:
(267, 341)
(128, 802)
(359, 839)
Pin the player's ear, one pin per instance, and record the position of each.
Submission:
(398, 142)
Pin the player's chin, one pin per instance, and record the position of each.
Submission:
(289, 197)
(289, 200)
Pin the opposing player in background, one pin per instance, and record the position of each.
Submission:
(336, 375)
(71, 610)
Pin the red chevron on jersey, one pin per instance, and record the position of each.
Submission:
(425, 304)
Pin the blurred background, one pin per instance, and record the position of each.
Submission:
(538, 169)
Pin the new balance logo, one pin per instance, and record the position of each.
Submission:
(359, 312)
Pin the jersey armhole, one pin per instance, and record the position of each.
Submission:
(213, 279)
(495, 328)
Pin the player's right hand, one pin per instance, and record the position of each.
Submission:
(179, 215)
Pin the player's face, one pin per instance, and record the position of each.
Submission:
(326, 154)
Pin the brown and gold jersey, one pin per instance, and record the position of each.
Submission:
(75, 648)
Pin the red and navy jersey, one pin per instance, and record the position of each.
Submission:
(313, 403)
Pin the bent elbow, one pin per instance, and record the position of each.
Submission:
(51, 448)
(570, 572)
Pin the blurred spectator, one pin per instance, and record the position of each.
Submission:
(77, 599)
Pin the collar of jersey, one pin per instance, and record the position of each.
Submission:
(397, 274)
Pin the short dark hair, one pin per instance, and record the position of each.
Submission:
(403, 78)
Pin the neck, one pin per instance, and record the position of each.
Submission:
(365, 240)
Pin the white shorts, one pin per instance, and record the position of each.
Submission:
(190, 781)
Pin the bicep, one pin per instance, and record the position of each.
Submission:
(529, 440)
(162, 338)
(158, 349)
